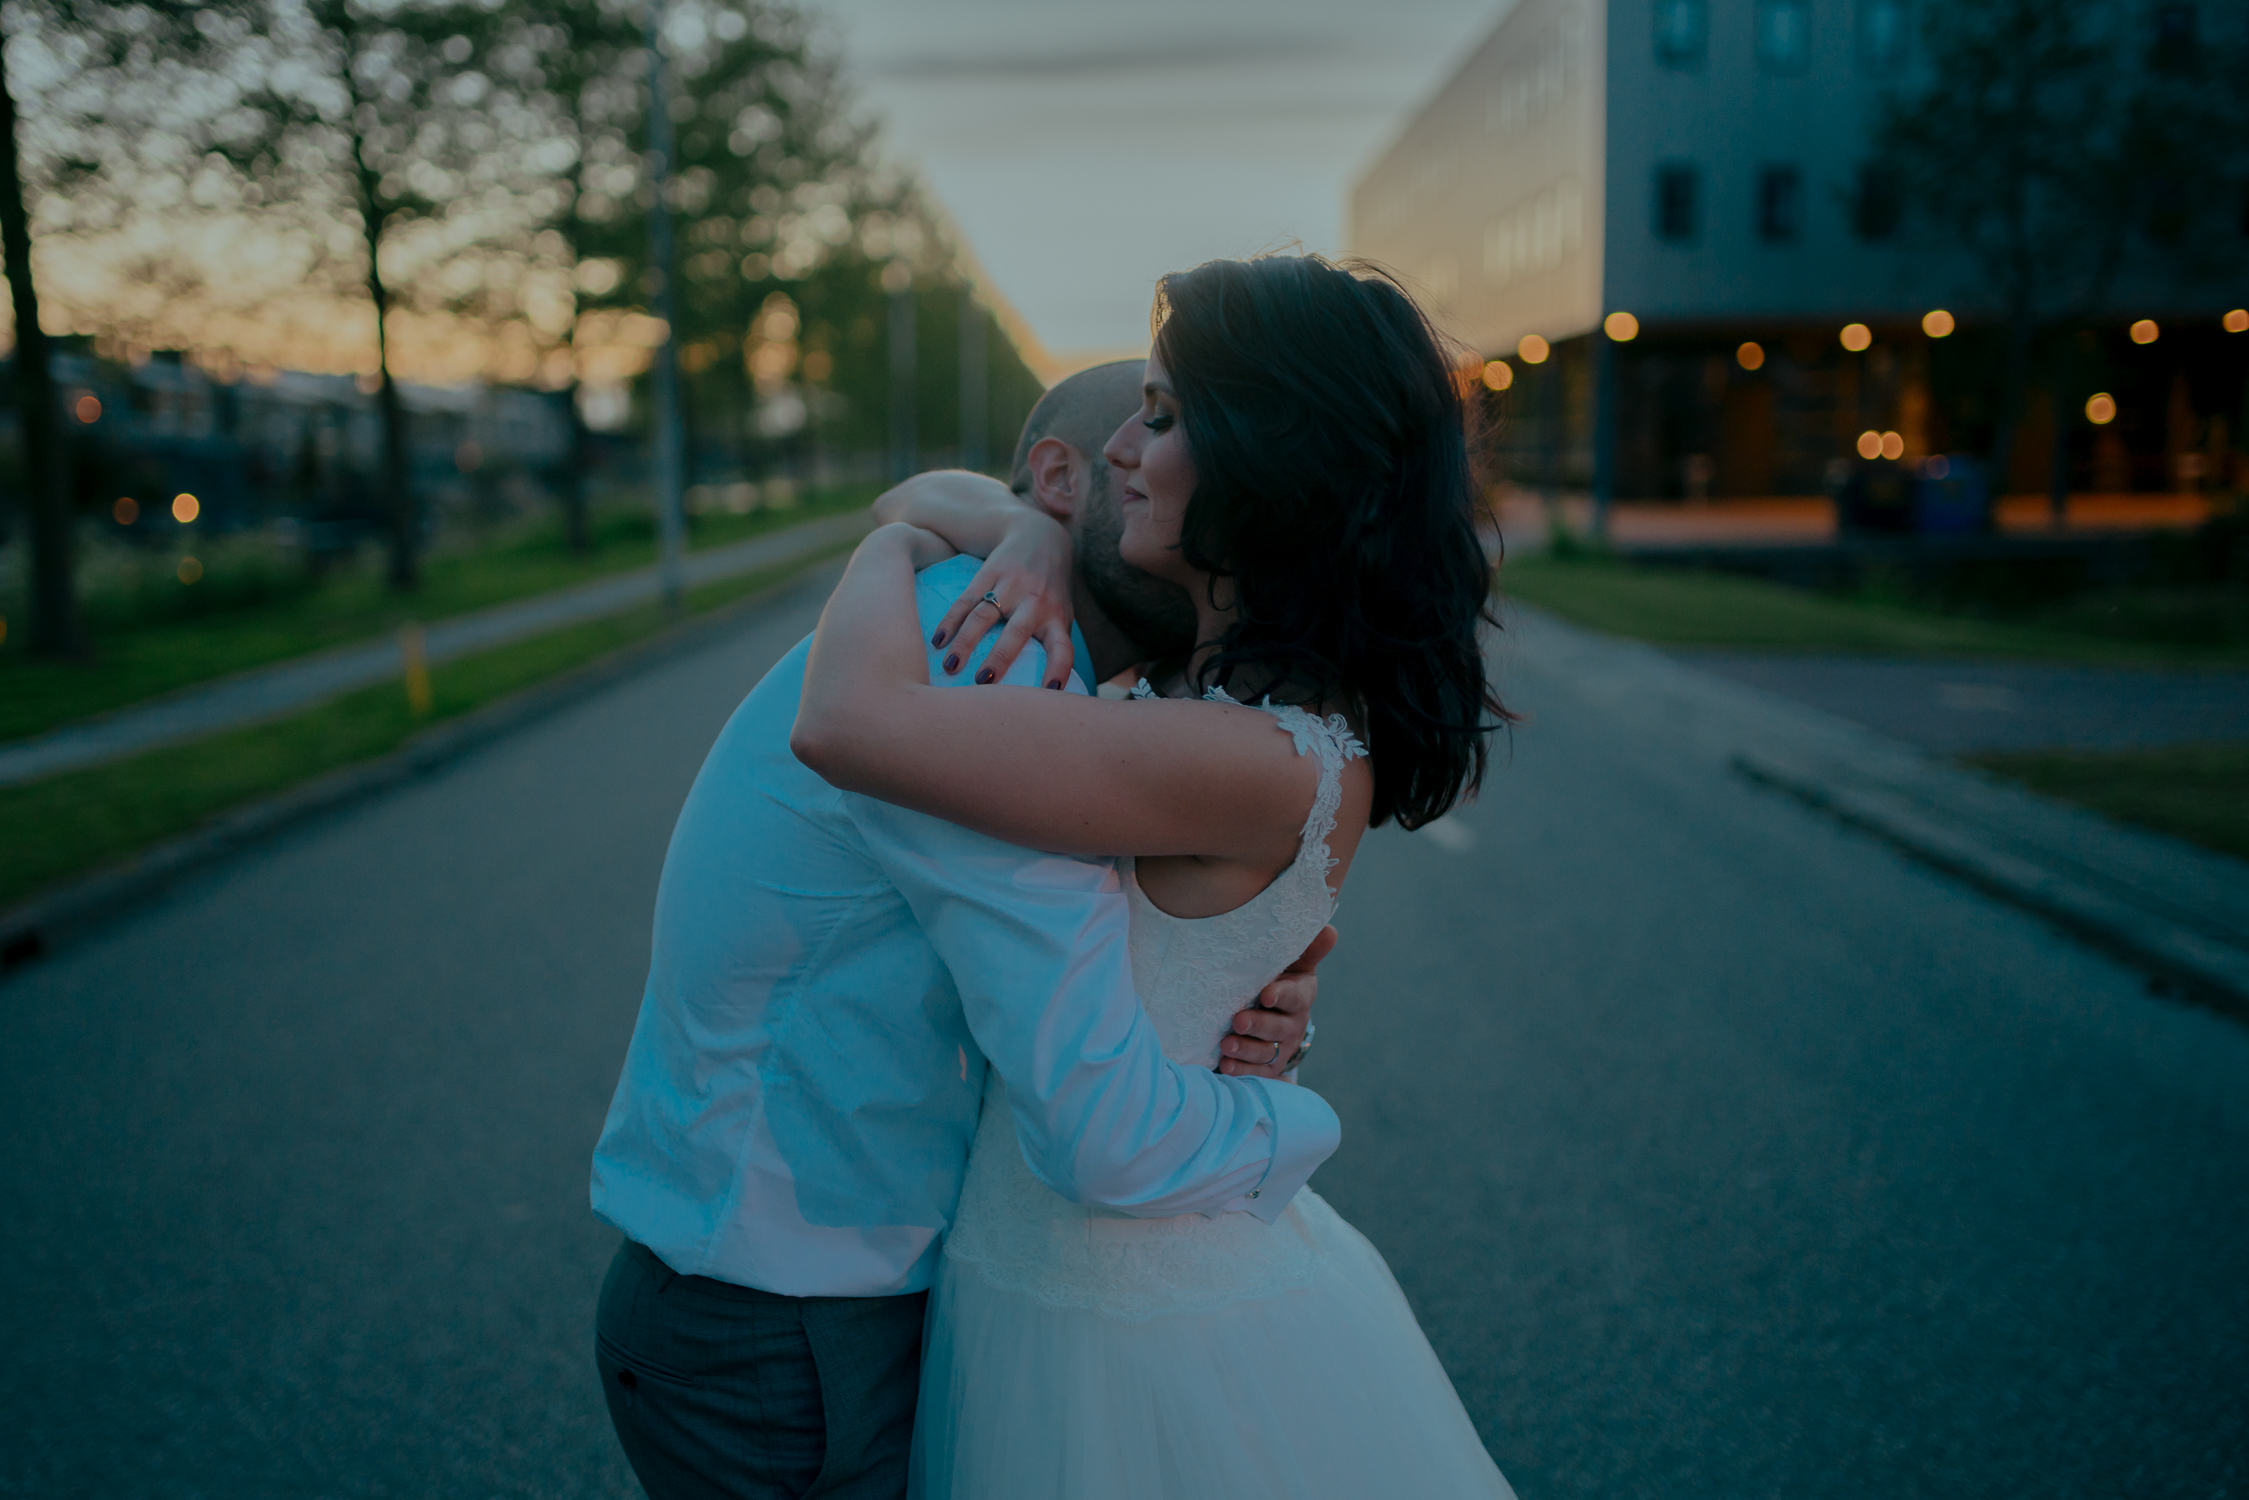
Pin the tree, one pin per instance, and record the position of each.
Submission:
(381, 114)
(132, 84)
(2050, 145)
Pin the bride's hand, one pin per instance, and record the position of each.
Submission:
(1028, 574)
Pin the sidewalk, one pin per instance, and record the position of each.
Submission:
(271, 692)
(1809, 520)
(2165, 905)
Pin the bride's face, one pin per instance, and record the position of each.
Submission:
(1155, 479)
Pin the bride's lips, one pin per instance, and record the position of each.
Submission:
(1129, 494)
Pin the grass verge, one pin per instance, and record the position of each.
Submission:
(139, 661)
(66, 825)
(1681, 608)
(2195, 792)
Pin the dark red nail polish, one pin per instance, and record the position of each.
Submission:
(938, 639)
(952, 664)
(984, 676)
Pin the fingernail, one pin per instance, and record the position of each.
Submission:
(1055, 686)
(952, 664)
(938, 639)
(984, 676)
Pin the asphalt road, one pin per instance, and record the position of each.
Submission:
(1721, 1151)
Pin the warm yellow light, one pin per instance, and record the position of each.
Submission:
(88, 409)
(1938, 324)
(127, 510)
(190, 570)
(1751, 356)
(1498, 375)
(2101, 410)
(2145, 331)
(1870, 445)
(1621, 326)
(1857, 336)
(1533, 349)
(185, 508)
(1893, 446)
(2237, 321)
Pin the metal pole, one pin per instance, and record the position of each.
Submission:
(1604, 431)
(898, 280)
(975, 384)
(671, 458)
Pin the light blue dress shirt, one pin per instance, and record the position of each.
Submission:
(829, 976)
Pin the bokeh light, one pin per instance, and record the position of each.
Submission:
(1856, 337)
(88, 409)
(1750, 356)
(127, 510)
(1936, 466)
(2145, 331)
(1870, 445)
(1533, 349)
(190, 570)
(2237, 321)
(1893, 445)
(1498, 375)
(2101, 409)
(1938, 324)
(1621, 326)
(185, 508)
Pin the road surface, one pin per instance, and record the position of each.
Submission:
(1721, 1151)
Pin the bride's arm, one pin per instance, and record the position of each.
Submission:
(1048, 770)
(1027, 561)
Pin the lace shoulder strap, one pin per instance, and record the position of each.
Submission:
(1330, 740)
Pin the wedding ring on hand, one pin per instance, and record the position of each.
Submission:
(991, 597)
(1301, 1048)
(1276, 1057)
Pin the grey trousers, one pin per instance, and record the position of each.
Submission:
(722, 1392)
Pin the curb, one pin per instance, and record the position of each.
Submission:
(2176, 912)
(2199, 964)
(48, 922)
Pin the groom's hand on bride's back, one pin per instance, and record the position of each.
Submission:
(1268, 1035)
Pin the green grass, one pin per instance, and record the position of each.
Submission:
(1683, 608)
(134, 661)
(2195, 792)
(78, 821)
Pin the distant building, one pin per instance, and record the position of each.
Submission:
(1700, 166)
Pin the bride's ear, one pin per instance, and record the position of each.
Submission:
(1054, 468)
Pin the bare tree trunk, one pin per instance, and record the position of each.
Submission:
(54, 606)
(396, 478)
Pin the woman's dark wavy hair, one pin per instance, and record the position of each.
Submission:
(1335, 497)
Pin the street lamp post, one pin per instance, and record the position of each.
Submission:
(671, 439)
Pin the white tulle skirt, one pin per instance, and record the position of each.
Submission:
(1328, 1389)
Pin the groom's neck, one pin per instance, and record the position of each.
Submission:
(1111, 649)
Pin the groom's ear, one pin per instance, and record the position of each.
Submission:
(1057, 479)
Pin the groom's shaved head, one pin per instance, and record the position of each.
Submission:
(1082, 411)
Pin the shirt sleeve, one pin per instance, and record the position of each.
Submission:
(1037, 947)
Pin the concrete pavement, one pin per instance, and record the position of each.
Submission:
(1722, 1150)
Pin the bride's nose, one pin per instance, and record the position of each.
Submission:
(1121, 450)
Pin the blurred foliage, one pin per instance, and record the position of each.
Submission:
(2061, 149)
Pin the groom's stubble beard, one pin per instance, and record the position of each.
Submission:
(1158, 616)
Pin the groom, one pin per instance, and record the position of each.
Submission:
(831, 977)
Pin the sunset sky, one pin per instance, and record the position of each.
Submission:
(1084, 149)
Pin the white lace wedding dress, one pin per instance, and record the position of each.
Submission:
(1078, 1354)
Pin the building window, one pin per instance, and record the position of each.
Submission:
(1784, 35)
(1682, 27)
(1677, 187)
(1884, 28)
(2174, 37)
(1877, 204)
(1780, 204)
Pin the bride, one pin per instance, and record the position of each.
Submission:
(1300, 468)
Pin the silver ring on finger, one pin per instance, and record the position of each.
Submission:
(992, 598)
(1276, 1057)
